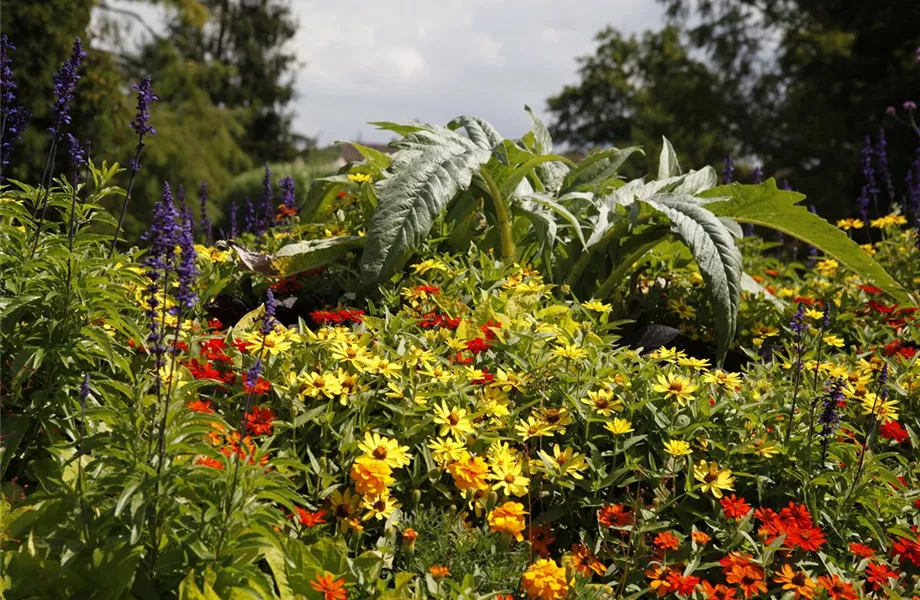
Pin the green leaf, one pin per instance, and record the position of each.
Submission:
(549, 202)
(481, 132)
(667, 162)
(597, 168)
(303, 256)
(714, 249)
(431, 168)
(400, 128)
(765, 205)
(322, 191)
(543, 142)
(375, 158)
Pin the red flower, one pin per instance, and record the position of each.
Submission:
(870, 289)
(882, 308)
(879, 574)
(666, 541)
(260, 387)
(614, 515)
(202, 406)
(207, 461)
(861, 550)
(288, 284)
(734, 507)
(680, 584)
(719, 592)
(837, 588)
(441, 321)
(908, 550)
(215, 324)
(428, 289)
(477, 345)
(487, 329)
(892, 430)
(337, 317)
(202, 370)
(310, 519)
(259, 421)
(795, 523)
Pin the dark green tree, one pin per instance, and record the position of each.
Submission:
(635, 89)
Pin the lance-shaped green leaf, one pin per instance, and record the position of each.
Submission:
(763, 204)
(375, 158)
(667, 161)
(548, 202)
(714, 250)
(481, 132)
(597, 168)
(433, 165)
(319, 198)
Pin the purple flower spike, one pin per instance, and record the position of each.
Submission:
(186, 271)
(13, 118)
(77, 159)
(882, 152)
(205, 223)
(728, 171)
(145, 97)
(65, 82)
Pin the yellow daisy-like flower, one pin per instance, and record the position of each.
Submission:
(596, 306)
(569, 352)
(277, 342)
(382, 366)
(509, 480)
(438, 373)
(813, 313)
(532, 427)
(886, 410)
(691, 362)
(452, 420)
(892, 220)
(827, 267)
(674, 386)
(723, 380)
(354, 355)
(448, 450)
(556, 418)
(381, 448)
(545, 580)
(713, 479)
(470, 474)
(432, 264)
(564, 462)
(603, 402)
(667, 354)
(848, 224)
(677, 448)
(495, 404)
(683, 310)
(359, 177)
(343, 505)
(834, 341)
(619, 426)
(379, 507)
(508, 518)
(320, 385)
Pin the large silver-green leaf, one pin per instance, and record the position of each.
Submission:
(714, 250)
(553, 173)
(481, 132)
(597, 168)
(433, 165)
(667, 161)
(298, 257)
(763, 204)
(550, 203)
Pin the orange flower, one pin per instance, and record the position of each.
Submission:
(585, 563)
(658, 581)
(207, 461)
(749, 578)
(409, 534)
(540, 538)
(700, 537)
(330, 588)
(797, 581)
(371, 476)
(545, 580)
(508, 518)
(666, 541)
(470, 474)
(614, 515)
(439, 571)
(836, 588)
(310, 519)
(718, 592)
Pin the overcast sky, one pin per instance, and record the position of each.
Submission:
(433, 60)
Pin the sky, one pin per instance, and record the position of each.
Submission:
(433, 60)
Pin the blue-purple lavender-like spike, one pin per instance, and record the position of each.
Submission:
(829, 417)
(13, 119)
(249, 218)
(77, 159)
(234, 228)
(798, 328)
(162, 238)
(881, 151)
(65, 82)
(145, 97)
(758, 174)
(268, 203)
(287, 193)
(205, 223)
(728, 171)
(268, 319)
(826, 315)
(84, 389)
(869, 190)
(186, 270)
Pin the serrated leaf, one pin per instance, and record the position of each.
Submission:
(667, 161)
(543, 141)
(714, 250)
(375, 158)
(304, 256)
(763, 204)
(549, 202)
(432, 167)
(481, 132)
(597, 167)
(400, 128)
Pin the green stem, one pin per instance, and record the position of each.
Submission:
(502, 217)
(625, 265)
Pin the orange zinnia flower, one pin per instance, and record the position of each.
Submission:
(585, 563)
(329, 587)
(749, 578)
(439, 571)
(718, 591)
(701, 537)
(836, 588)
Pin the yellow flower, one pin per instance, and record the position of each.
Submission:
(764, 331)
(868, 248)
(371, 476)
(351, 354)
(448, 450)
(438, 373)
(452, 420)
(683, 310)
(382, 366)
(677, 448)
(619, 426)
(827, 267)
(813, 313)
(556, 418)
(564, 462)
(667, 354)
(212, 254)
(892, 220)
(432, 264)
(767, 449)
(318, 385)
(712, 478)
(379, 507)
(343, 505)
(277, 342)
(691, 362)
(545, 580)
(569, 352)
(495, 404)
(508, 518)
(359, 177)
(723, 380)
(532, 427)
(378, 447)
(603, 402)
(833, 341)
(508, 479)
(674, 386)
(597, 306)
(848, 224)
(886, 410)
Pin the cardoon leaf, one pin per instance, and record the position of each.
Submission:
(667, 162)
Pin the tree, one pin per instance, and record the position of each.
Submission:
(245, 42)
(635, 89)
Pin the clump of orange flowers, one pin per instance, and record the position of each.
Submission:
(545, 580)
(508, 518)
(371, 477)
(329, 587)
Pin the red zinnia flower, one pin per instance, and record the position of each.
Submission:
(477, 345)
(310, 519)
(719, 592)
(207, 461)
(892, 430)
(879, 574)
(202, 406)
(259, 421)
(260, 387)
(836, 588)
(614, 515)
(861, 550)
(666, 541)
(734, 508)
(680, 584)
